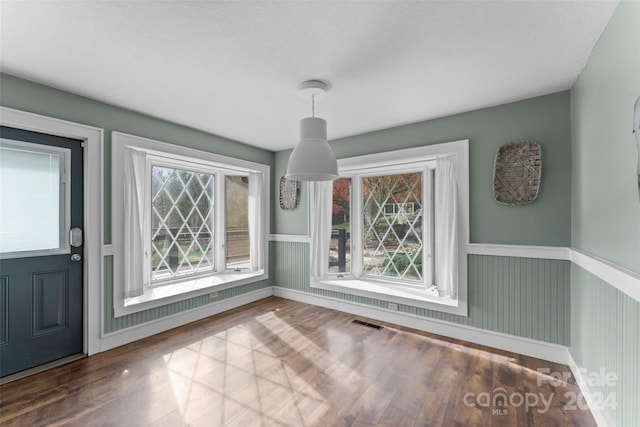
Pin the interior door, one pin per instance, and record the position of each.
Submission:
(41, 278)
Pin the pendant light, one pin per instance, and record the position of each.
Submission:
(312, 159)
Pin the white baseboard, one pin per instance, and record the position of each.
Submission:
(539, 349)
(134, 333)
(602, 418)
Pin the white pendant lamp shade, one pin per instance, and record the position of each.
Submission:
(313, 159)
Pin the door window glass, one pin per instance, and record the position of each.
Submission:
(32, 198)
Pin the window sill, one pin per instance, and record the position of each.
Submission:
(406, 295)
(188, 288)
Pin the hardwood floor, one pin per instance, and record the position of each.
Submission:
(282, 363)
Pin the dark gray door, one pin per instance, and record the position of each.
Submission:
(41, 279)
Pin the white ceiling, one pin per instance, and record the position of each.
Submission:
(232, 68)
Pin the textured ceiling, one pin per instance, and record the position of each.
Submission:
(232, 68)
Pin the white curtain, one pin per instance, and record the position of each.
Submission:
(137, 266)
(255, 220)
(446, 230)
(322, 199)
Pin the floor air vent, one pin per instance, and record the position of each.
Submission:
(370, 325)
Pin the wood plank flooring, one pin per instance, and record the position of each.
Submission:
(283, 363)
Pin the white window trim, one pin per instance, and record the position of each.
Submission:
(190, 286)
(410, 295)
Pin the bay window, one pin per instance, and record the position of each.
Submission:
(193, 222)
(395, 226)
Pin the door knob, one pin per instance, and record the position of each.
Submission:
(76, 258)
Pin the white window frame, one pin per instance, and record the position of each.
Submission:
(188, 286)
(410, 293)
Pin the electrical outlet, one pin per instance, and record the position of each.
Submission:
(213, 295)
(392, 306)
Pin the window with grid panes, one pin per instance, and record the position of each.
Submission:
(393, 218)
(183, 223)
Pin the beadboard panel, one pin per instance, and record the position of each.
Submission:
(525, 297)
(112, 324)
(606, 336)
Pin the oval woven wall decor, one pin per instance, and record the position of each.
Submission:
(517, 172)
(289, 193)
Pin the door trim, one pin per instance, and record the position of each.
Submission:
(93, 139)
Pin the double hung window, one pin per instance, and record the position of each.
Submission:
(395, 226)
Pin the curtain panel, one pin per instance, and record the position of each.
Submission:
(446, 225)
(137, 271)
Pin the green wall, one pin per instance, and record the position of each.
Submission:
(606, 210)
(28, 96)
(545, 119)
(606, 204)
